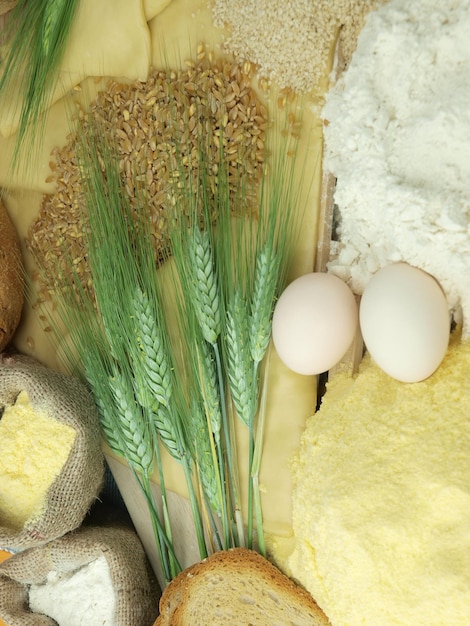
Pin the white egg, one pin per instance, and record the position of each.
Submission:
(314, 323)
(405, 322)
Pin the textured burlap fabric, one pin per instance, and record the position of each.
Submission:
(135, 589)
(5, 6)
(70, 496)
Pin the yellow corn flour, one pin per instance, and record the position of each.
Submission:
(381, 510)
(33, 450)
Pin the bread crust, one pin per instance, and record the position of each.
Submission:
(11, 279)
(231, 566)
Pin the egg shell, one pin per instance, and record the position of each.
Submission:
(315, 321)
(405, 322)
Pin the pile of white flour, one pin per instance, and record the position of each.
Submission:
(82, 597)
(398, 141)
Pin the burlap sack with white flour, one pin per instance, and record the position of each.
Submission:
(72, 492)
(130, 599)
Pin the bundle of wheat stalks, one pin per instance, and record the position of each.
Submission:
(35, 36)
(228, 262)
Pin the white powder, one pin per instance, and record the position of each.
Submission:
(82, 597)
(398, 141)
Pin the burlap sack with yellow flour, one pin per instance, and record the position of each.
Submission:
(51, 462)
(122, 592)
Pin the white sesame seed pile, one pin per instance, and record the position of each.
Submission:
(291, 42)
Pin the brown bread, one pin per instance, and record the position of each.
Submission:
(11, 279)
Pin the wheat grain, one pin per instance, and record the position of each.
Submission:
(157, 124)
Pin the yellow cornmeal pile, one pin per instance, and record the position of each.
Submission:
(382, 499)
(291, 42)
(33, 450)
(160, 128)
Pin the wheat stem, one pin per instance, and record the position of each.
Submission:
(153, 387)
(250, 498)
(243, 382)
(195, 508)
(174, 566)
(111, 407)
(239, 523)
(233, 489)
(168, 559)
(264, 289)
(257, 456)
(214, 411)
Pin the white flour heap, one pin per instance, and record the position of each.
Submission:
(398, 141)
(83, 597)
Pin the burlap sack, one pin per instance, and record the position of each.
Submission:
(73, 491)
(135, 589)
(5, 6)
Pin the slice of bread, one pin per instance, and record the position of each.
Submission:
(237, 587)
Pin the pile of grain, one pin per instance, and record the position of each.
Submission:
(159, 127)
(291, 42)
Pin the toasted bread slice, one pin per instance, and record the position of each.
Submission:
(237, 587)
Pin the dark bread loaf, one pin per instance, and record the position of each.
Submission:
(11, 279)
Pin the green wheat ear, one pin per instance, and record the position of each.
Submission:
(36, 34)
(239, 364)
(207, 473)
(152, 370)
(52, 13)
(134, 432)
(203, 283)
(264, 291)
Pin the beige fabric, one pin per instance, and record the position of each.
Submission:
(70, 496)
(96, 46)
(135, 589)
